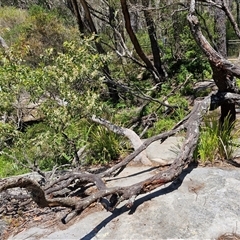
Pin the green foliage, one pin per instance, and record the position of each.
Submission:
(40, 145)
(207, 148)
(68, 86)
(104, 146)
(238, 82)
(64, 77)
(10, 18)
(167, 118)
(178, 100)
(9, 167)
(181, 53)
(161, 126)
(215, 142)
(144, 41)
(35, 30)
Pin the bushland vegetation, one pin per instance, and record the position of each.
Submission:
(78, 81)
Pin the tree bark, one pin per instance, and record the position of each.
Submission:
(238, 11)
(73, 5)
(153, 40)
(134, 16)
(223, 70)
(220, 30)
(136, 44)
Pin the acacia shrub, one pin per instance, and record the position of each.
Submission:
(65, 108)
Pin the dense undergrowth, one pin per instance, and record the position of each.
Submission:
(48, 62)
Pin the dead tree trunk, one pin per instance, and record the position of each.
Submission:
(220, 30)
(83, 188)
(223, 70)
(111, 197)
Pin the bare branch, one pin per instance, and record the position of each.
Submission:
(136, 44)
(110, 197)
(216, 59)
(225, 8)
(184, 157)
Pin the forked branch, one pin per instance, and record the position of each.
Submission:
(110, 197)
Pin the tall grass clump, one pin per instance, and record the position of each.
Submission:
(215, 142)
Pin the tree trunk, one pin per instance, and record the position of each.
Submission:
(73, 5)
(220, 30)
(134, 16)
(153, 40)
(224, 80)
(137, 47)
(238, 11)
(223, 70)
(225, 83)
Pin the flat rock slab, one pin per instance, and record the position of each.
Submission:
(202, 204)
(166, 152)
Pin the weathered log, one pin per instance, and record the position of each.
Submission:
(110, 197)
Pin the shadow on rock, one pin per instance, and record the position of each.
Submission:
(117, 212)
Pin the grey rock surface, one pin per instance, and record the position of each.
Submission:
(3, 225)
(202, 204)
(166, 152)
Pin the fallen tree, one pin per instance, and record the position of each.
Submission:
(54, 192)
(77, 190)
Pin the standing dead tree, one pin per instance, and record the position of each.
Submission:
(223, 70)
(54, 193)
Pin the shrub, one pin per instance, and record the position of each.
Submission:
(36, 30)
(67, 85)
